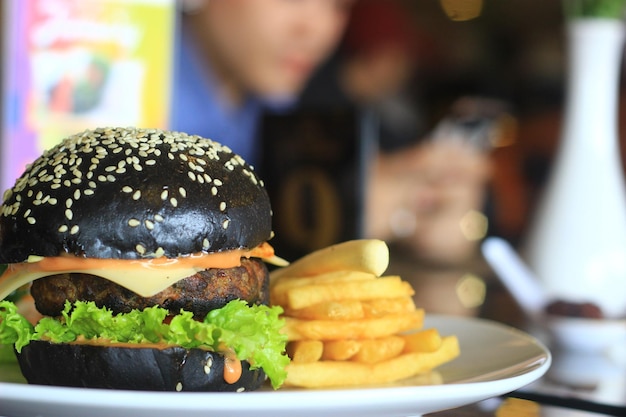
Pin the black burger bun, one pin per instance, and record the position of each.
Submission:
(130, 193)
(139, 194)
(153, 369)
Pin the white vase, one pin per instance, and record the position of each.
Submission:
(577, 245)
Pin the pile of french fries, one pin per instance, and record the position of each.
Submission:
(348, 325)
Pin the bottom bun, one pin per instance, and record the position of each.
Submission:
(152, 369)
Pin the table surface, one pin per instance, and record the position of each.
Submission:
(576, 385)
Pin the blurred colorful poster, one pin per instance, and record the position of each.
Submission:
(70, 65)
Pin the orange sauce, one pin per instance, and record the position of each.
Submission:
(145, 276)
(226, 259)
(232, 367)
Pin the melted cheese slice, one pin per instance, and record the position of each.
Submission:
(145, 277)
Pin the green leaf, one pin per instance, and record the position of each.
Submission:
(53, 330)
(252, 332)
(611, 9)
(14, 328)
(140, 326)
(185, 331)
(88, 320)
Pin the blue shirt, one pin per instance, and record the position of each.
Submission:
(198, 108)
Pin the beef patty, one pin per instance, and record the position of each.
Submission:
(200, 293)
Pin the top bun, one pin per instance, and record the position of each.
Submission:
(128, 193)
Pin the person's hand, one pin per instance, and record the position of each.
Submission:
(426, 198)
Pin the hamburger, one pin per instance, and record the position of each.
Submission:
(145, 254)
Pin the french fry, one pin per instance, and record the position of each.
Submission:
(354, 309)
(378, 350)
(365, 255)
(278, 292)
(333, 276)
(348, 373)
(331, 310)
(388, 287)
(428, 340)
(297, 329)
(340, 350)
(305, 351)
(348, 325)
(383, 306)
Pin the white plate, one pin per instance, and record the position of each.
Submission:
(495, 359)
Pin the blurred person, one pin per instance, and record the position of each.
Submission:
(239, 58)
(420, 190)
(420, 196)
(374, 68)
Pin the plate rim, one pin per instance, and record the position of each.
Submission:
(473, 389)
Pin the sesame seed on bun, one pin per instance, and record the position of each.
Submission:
(144, 250)
(130, 193)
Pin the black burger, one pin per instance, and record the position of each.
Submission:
(146, 250)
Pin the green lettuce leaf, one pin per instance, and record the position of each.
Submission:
(239, 328)
(14, 328)
(252, 332)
